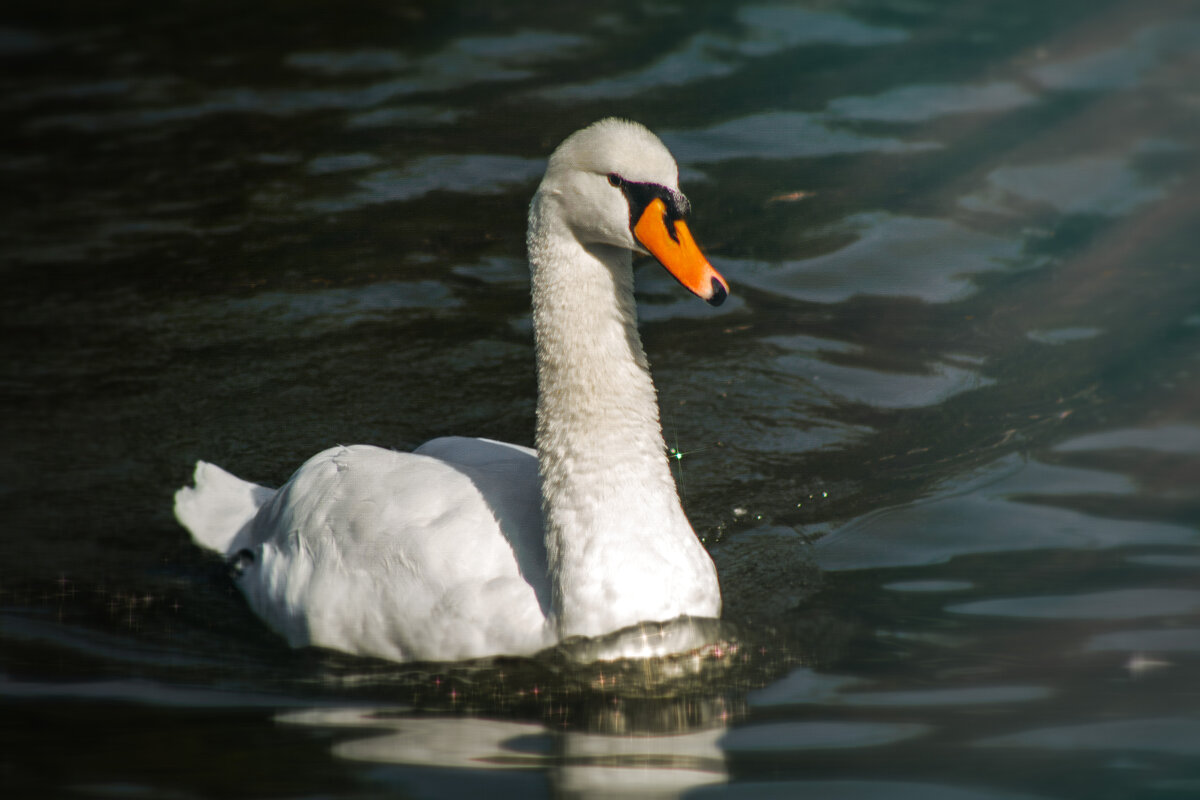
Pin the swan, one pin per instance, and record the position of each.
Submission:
(466, 547)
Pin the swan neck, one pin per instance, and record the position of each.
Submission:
(594, 383)
(613, 521)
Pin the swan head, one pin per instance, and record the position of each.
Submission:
(616, 184)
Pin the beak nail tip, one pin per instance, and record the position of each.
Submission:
(719, 293)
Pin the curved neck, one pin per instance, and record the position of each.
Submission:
(594, 383)
(607, 490)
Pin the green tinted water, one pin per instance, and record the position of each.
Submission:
(943, 441)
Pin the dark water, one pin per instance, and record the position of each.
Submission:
(944, 441)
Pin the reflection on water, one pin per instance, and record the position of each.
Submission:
(577, 763)
(1093, 185)
(588, 763)
(762, 30)
(929, 259)
(1009, 507)
(1115, 605)
(1180, 439)
(943, 440)
(1174, 736)
(1135, 62)
(862, 384)
(776, 135)
(862, 790)
(923, 103)
(1153, 641)
(1064, 335)
(464, 62)
(473, 174)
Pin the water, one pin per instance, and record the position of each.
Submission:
(943, 441)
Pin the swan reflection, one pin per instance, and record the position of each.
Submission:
(576, 762)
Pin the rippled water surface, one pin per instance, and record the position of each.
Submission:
(943, 442)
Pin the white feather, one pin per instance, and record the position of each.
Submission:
(219, 508)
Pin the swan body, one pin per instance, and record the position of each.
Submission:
(469, 547)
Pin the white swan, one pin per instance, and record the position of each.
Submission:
(468, 547)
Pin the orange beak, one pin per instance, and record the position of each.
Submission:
(676, 250)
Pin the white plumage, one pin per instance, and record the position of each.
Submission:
(469, 547)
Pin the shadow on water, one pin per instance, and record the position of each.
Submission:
(942, 442)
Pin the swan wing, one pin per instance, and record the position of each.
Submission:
(430, 555)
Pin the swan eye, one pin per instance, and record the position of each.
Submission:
(614, 179)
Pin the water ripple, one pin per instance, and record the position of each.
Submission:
(1088, 185)
(1181, 438)
(764, 31)
(923, 102)
(1177, 640)
(1124, 66)
(893, 256)
(855, 790)
(990, 517)
(799, 736)
(474, 174)
(1114, 605)
(772, 135)
(1175, 736)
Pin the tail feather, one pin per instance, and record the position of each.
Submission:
(219, 510)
